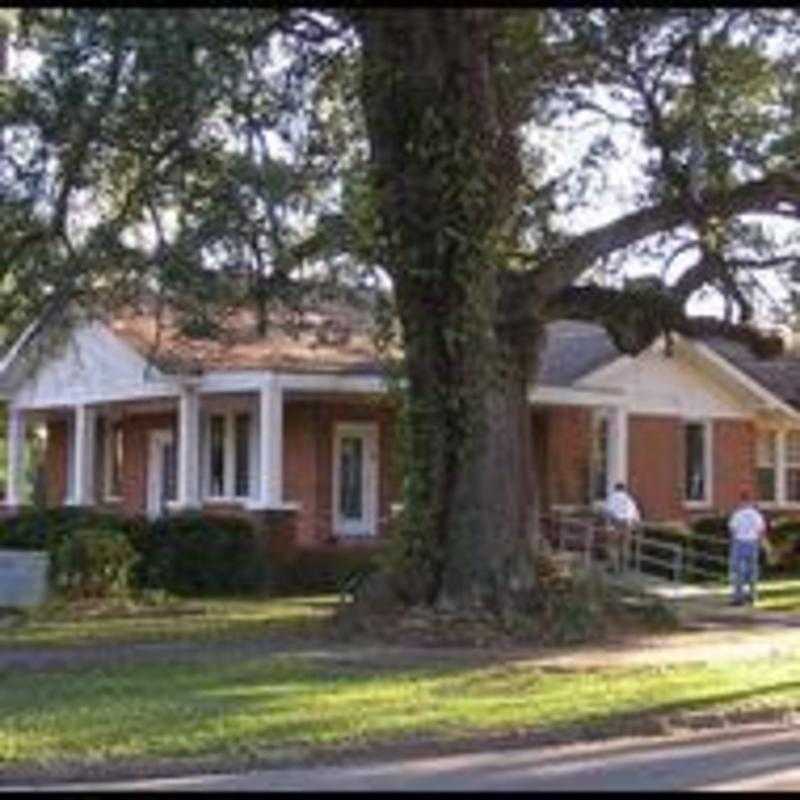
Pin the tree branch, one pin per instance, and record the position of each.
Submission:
(562, 265)
(635, 317)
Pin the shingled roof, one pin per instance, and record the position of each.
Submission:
(574, 349)
(780, 375)
(332, 338)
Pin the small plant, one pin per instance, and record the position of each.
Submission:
(94, 563)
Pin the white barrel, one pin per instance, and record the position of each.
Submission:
(23, 578)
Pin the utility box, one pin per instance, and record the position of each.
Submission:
(23, 578)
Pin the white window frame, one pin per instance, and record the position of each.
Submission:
(228, 412)
(708, 453)
(108, 441)
(785, 465)
(599, 415)
(369, 432)
(776, 467)
(156, 439)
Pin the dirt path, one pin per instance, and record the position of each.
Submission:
(707, 636)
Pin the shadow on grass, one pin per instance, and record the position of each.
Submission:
(245, 710)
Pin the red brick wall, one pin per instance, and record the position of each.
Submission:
(567, 450)
(55, 463)
(540, 456)
(135, 430)
(655, 465)
(308, 427)
(734, 462)
(300, 469)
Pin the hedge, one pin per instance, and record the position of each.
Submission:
(303, 570)
(191, 553)
(195, 554)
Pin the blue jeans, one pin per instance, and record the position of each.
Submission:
(744, 568)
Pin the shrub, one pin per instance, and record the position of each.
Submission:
(783, 546)
(192, 553)
(94, 562)
(45, 529)
(299, 570)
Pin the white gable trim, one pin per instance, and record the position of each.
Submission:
(770, 401)
(71, 377)
(574, 396)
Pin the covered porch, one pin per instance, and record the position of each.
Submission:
(311, 447)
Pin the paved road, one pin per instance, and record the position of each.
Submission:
(736, 759)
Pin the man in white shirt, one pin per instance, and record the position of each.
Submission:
(747, 526)
(624, 515)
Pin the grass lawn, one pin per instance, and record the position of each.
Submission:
(257, 710)
(247, 710)
(779, 594)
(176, 619)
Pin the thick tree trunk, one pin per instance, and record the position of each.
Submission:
(445, 174)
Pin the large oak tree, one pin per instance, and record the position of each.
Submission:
(143, 152)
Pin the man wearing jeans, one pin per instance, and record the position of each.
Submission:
(623, 514)
(746, 527)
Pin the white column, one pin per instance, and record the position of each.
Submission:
(618, 446)
(189, 448)
(270, 444)
(83, 450)
(780, 466)
(16, 456)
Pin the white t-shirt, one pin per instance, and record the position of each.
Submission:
(746, 524)
(622, 507)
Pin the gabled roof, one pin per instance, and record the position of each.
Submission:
(574, 349)
(780, 375)
(337, 337)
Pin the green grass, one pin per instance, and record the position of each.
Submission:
(779, 594)
(196, 619)
(254, 708)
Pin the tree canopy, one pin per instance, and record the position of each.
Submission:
(454, 157)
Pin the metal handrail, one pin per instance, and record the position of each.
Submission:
(570, 534)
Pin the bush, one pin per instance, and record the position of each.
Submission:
(46, 529)
(192, 553)
(301, 570)
(94, 562)
(783, 546)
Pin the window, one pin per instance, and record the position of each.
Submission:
(242, 455)
(350, 477)
(598, 458)
(696, 468)
(217, 456)
(112, 458)
(169, 472)
(792, 472)
(766, 448)
(355, 478)
(228, 455)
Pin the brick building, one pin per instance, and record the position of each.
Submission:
(144, 419)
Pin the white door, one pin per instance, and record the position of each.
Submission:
(161, 464)
(355, 478)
